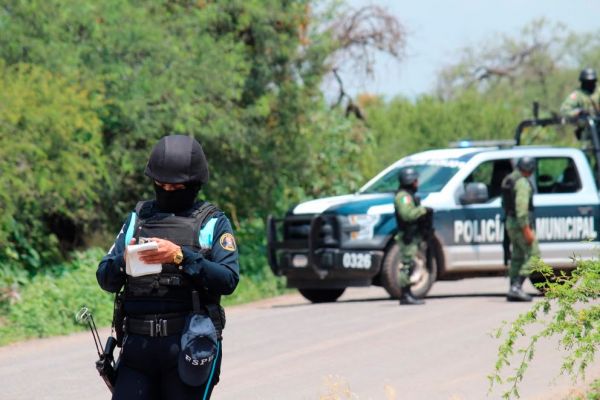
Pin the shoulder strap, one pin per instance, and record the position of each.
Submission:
(142, 208)
(204, 212)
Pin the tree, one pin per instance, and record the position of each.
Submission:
(540, 64)
(51, 164)
(358, 35)
(243, 77)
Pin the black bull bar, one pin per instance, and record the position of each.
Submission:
(312, 244)
(320, 239)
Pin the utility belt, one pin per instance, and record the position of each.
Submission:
(156, 325)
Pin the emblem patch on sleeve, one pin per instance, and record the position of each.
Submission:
(406, 200)
(227, 242)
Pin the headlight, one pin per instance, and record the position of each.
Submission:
(361, 226)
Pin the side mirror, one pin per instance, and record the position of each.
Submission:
(475, 193)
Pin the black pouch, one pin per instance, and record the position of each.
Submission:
(118, 321)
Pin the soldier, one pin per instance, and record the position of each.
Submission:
(408, 214)
(517, 202)
(586, 99)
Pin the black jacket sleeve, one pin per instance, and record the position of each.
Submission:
(218, 272)
(111, 270)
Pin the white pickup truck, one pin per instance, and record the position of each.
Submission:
(323, 246)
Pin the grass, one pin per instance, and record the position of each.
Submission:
(47, 305)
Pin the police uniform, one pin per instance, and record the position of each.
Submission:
(408, 211)
(517, 202)
(155, 307)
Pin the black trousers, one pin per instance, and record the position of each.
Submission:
(148, 371)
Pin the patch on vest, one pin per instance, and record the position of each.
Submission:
(227, 241)
(406, 200)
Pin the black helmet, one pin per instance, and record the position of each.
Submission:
(178, 159)
(526, 164)
(587, 74)
(408, 176)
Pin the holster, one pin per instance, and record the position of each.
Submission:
(217, 316)
(216, 313)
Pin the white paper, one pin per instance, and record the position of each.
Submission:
(136, 267)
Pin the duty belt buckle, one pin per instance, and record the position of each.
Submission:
(159, 328)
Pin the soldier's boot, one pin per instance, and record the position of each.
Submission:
(407, 298)
(516, 293)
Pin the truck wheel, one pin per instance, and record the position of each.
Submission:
(423, 276)
(321, 295)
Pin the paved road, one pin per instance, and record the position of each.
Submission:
(363, 347)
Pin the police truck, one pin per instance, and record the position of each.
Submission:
(325, 245)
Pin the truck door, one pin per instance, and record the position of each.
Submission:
(565, 212)
(473, 233)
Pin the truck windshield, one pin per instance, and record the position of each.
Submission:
(432, 178)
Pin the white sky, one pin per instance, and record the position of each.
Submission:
(437, 28)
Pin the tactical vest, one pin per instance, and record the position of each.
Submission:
(509, 196)
(404, 226)
(407, 230)
(171, 283)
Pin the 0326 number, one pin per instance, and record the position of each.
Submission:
(356, 260)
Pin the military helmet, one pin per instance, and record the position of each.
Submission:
(587, 74)
(178, 159)
(408, 176)
(526, 164)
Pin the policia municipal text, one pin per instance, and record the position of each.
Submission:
(171, 322)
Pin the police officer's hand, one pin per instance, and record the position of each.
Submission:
(528, 234)
(163, 255)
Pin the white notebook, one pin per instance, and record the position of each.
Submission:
(134, 266)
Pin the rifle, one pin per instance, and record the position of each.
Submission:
(106, 362)
(506, 246)
(426, 231)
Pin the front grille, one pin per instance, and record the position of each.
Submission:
(295, 228)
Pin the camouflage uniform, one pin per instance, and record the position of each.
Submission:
(522, 253)
(579, 101)
(408, 211)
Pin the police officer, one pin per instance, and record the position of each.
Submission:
(408, 215)
(517, 202)
(586, 99)
(199, 258)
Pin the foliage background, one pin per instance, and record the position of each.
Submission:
(87, 88)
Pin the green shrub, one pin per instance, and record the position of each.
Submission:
(47, 305)
(51, 163)
(569, 312)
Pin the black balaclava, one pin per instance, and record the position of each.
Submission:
(588, 86)
(412, 188)
(173, 201)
